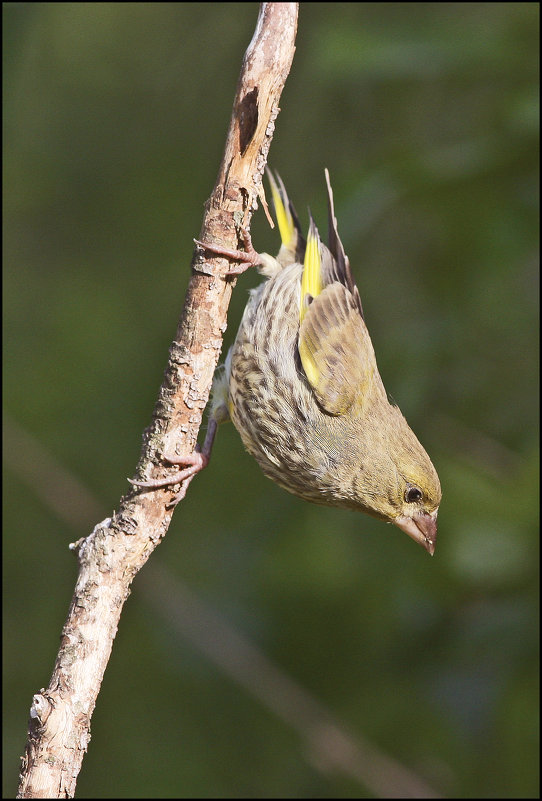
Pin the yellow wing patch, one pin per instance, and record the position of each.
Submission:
(311, 280)
(336, 351)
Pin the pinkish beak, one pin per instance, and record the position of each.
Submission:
(422, 527)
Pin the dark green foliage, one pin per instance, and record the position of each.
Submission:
(426, 116)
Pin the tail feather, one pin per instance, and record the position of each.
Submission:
(342, 265)
(293, 243)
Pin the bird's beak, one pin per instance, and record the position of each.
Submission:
(422, 527)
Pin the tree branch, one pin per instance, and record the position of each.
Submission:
(110, 557)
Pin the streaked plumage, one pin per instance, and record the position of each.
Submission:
(303, 389)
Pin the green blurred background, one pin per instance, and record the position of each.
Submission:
(426, 116)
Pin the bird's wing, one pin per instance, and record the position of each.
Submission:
(336, 351)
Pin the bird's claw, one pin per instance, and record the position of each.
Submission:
(248, 257)
(196, 461)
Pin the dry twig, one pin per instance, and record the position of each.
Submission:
(119, 546)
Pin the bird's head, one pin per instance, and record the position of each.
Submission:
(402, 487)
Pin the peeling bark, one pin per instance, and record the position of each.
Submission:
(110, 557)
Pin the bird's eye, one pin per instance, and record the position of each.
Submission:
(412, 494)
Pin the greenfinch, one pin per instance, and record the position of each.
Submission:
(302, 386)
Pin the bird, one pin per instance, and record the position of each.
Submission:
(302, 386)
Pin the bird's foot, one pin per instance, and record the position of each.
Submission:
(248, 257)
(193, 462)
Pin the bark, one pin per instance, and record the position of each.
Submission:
(117, 548)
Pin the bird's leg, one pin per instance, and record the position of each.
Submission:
(195, 462)
(199, 459)
(247, 257)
